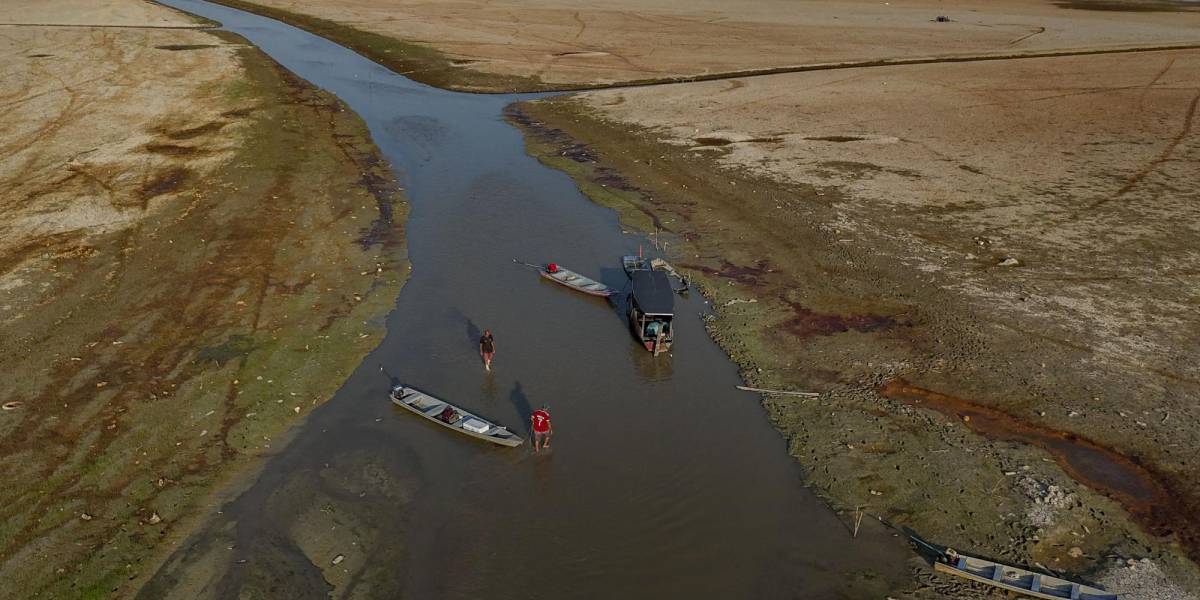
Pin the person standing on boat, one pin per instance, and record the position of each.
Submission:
(487, 348)
(542, 429)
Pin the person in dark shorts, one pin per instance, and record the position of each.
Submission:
(542, 429)
(487, 348)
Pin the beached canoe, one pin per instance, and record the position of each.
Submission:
(453, 417)
(577, 282)
(1018, 580)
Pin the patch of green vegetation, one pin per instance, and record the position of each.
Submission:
(624, 202)
(238, 89)
(255, 287)
(101, 589)
(237, 346)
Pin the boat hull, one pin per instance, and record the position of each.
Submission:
(578, 282)
(429, 407)
(1022, 581)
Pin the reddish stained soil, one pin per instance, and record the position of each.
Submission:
(1147, 496)
(749, 276)
(808, 322)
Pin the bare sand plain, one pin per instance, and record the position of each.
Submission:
(193, 251)
(503, 45)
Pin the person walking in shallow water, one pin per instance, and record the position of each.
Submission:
(542, 429)
(487, 348)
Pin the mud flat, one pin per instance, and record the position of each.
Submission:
(987, 269)
(195, 249)
(525, 45)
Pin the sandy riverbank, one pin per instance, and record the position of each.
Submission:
(196, 249)
(506, 45)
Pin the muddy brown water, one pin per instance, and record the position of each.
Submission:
(664, 481)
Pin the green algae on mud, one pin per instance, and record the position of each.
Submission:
(173, 354)
(797, 307)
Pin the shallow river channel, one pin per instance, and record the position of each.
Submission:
(663, 482)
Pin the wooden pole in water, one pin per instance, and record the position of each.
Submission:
(762, 391)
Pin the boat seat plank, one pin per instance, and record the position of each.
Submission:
(1074, 591)
(998, 573)
(1036, 584)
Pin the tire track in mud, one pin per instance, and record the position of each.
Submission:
(1165, 155)
(877, 63)
(1040, 30)
(1157, 76)
(582, 26)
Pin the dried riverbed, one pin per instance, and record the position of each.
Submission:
(664, 479)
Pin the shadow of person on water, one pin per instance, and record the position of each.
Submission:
(473, 332)
(521, 403)
(393, 381)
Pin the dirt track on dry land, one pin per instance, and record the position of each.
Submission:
(194, 246)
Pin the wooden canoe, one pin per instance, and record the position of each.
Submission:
(462, 421)
(1019, 580)
(578, 282)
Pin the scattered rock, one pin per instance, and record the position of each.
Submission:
(154, 519)
(1009, 262)
(85, 516)
(1075, 552)
(338, 559)
(1142, 580)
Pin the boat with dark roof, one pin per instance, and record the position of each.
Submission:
(651, 309)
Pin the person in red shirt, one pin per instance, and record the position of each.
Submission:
(542, 429)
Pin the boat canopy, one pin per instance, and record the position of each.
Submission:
(652, 292)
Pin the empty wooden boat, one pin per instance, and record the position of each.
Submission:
(452, 417)
(575, 281)
(1018, 580)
